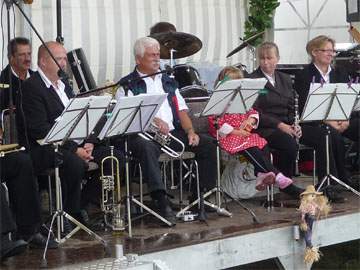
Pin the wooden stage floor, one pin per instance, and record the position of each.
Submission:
(150, 235)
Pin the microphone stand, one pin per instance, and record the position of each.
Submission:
(59, 37)
(62, 74)
(11, 98)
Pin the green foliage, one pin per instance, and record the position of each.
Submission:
(260, 18)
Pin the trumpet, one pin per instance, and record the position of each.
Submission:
(111, 195)
(163, 140)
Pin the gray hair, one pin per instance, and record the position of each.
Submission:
(142, 43)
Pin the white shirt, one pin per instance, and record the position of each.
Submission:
(14, 73)
(154, 86)
(270, 78)
(326, 76)
(60, 89)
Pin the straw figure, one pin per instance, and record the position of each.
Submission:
(312, 205)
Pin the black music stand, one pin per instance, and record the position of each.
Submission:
(76, 122)
(133, 115)
(232, 96)
(330, 102)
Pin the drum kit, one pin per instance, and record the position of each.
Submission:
(174, 45)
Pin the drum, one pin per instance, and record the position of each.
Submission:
(189, 81)
(81, 70)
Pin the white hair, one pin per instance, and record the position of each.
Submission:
(142, 43)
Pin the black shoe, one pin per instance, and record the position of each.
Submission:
(166, 212)
(333, 194)
(354, 183)
(11, 248)
(293, 191)
(39, 241)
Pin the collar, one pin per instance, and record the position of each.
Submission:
(15, 74)
(327, 74)
(144, 74)
(271, 78)
(48, 83)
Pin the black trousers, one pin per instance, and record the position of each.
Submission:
(260, 158)
(353, 131)
(71, 170)
(7, 222)
(148, 153)
(17, 172)
(287, 148)
(314, 136)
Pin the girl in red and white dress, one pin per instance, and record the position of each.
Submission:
(236, 136)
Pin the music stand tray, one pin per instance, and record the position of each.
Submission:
(76, 122)
(133, 115)
(232, 96)
(326, 102)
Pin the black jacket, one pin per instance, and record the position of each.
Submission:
(311, 74)
(276, 105)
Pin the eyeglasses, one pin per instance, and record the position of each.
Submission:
(326, 51)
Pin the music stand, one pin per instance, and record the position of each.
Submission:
(232, 96)
(75, 123)
(133, 115)
(330, 102)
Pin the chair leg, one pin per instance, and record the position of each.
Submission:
(50, 196)
(314, 169)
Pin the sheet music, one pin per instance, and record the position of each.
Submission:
(234, 96)
(96, 108)
(132, 115)
(330, 101)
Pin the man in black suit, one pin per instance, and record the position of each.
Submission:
(45, 96)
(19, 55)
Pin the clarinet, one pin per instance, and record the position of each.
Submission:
(296, 127)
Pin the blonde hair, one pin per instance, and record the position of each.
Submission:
(229, 72)
(267, 45)
(318, 43)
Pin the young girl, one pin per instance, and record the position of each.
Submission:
(236, 136)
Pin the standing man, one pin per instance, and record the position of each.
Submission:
(171, 118)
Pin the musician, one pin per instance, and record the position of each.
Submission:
(321, 51)
(45, 96)
(276, 108)
(237, 136)
(172, 117)
(19, 55)
(8, 247)
(17, 173)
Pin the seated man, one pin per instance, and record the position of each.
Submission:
(172, 117)
(8, 247)
(45, 96)
(17, 172)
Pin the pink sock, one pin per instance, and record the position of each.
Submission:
(282, 181)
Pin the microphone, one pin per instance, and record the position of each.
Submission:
(168, 70)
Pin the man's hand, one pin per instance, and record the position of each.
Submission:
(162, 125)
(89, 147)
(83, 154)
(193, 138)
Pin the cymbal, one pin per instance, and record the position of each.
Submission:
(4, 85)
(245, 43)
(185, 44)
